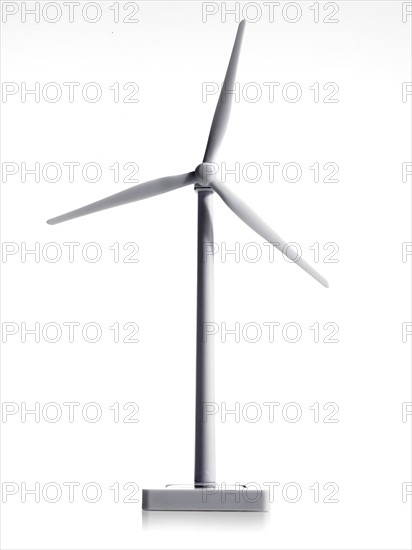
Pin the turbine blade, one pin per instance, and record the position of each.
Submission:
(255, 222)
(222, 112)
(136, 193)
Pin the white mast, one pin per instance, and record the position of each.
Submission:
(205, 366)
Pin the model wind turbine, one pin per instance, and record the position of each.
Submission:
(205, 494)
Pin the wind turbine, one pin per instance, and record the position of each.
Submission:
(205, 494)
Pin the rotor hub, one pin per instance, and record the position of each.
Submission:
(204, 173)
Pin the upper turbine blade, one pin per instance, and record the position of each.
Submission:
(136, 193)
(246, 214)
(222, 112)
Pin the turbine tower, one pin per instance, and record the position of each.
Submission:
(204, 494)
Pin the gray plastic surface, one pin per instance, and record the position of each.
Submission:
(239, 499)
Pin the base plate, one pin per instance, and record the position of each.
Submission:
(215, 498)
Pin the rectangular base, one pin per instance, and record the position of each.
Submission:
(206, 499)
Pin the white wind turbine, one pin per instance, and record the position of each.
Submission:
(204, 494)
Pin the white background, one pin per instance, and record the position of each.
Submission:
(170, 53)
